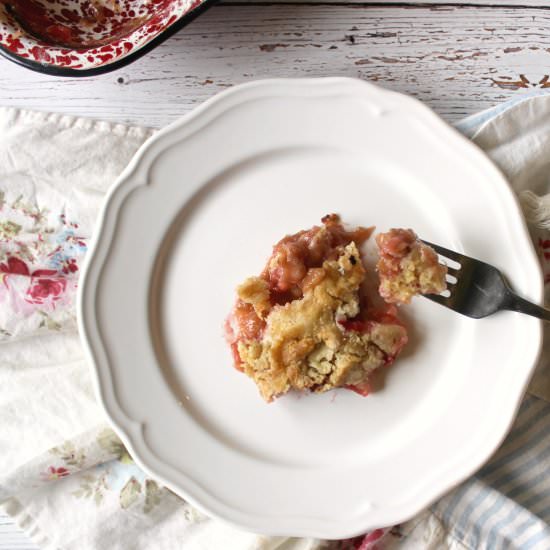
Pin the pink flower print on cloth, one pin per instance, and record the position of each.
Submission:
(40, 255)
(53, 473)
(44, 286)
(25, 292)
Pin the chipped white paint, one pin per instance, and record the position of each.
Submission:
(457, 59)
(446, 3)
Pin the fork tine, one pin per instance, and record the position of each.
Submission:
(451, 282)
(451, 254)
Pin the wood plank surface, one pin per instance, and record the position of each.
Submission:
(520, 4)
(457, 59)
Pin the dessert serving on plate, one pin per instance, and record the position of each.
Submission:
(307, 323)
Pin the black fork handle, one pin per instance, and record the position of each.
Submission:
(516, 303)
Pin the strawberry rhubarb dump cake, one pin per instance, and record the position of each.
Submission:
(306, 324)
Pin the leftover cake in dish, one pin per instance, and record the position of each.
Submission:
(305, 323)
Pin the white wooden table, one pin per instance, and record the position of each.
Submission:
(458, 57)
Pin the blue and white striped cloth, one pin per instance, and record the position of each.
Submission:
(507, 503)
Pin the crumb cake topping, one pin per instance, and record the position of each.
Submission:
(304, 324)
(306, 344)
(407, 267)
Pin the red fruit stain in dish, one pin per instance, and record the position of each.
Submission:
(60, 33)
(91, 22)
(71, 16)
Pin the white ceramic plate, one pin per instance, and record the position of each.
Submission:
(198, 210)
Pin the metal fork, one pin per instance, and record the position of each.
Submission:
(480, 289)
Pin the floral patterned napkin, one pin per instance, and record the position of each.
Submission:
(64, 475)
